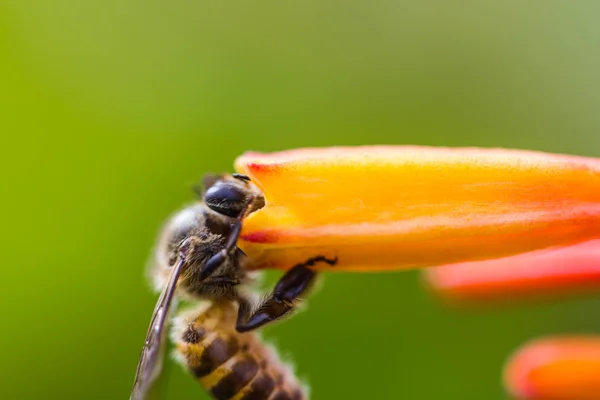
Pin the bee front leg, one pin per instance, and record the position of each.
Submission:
(230, 246)
(287, 293)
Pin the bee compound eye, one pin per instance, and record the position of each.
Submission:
(225, 199)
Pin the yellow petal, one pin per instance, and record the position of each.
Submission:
(394, 207)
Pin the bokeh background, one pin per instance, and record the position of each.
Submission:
(111, 110)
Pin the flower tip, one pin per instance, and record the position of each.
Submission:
(560, 368)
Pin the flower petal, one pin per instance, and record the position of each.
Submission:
(566, 270)
(566, 368)
(393, 207)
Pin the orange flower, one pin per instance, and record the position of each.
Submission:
(562, 368)
(572, 269)
(394, 207)
(520, 222)
(566, 368)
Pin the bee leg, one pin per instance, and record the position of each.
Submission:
(216, 260)
(292, 285)
(282, 301)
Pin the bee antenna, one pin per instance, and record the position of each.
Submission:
(198, 189)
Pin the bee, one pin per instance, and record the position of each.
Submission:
(197, 257)
(228, 364)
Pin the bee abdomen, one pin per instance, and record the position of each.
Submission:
(260, 388)
(238, 376)
(231, 365)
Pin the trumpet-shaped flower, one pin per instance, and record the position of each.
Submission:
(393, 207)
(511, 223)
(567, 270)
(558, 368)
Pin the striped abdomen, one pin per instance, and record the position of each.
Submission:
(232, 365)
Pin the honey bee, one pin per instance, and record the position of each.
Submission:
(228, 364)
(197, 257)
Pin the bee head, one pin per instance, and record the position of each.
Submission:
(202, 230)
(228, 195)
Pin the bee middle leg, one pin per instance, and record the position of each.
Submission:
(284, 299)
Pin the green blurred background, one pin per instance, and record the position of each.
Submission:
(111, 110)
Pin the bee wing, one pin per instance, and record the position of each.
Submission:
(150, 362)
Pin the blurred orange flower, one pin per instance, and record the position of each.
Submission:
(559, 368)
(556, 368)
(550, 272)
